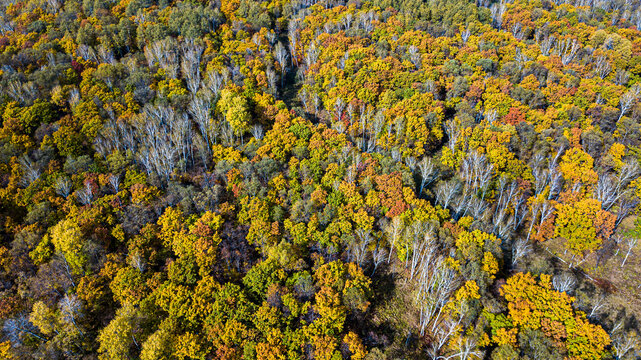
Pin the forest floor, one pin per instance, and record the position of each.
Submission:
(609, 285)
(392, 309)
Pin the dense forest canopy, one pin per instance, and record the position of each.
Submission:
(320, 179)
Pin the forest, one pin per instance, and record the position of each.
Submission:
(320, 179)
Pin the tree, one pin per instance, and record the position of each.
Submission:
(159, 345)
(280, 52)
(238, 116)
(236, 111)
(583, 225)
(533, 304)
(118, 339)
(628, 99)
(577, 166)
(67, 239)
(631, 240)
(190, 66)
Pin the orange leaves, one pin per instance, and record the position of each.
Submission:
(520, 311)
(143, 194)
(355, 346)
(324, 347)
(514, 116)
(604, 222)
(553, 329)
(391, 194)
(545, 230)
(328, 305)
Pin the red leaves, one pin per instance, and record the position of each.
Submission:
(77, 67)
(514, 116)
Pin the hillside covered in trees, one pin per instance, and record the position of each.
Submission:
(320, 179)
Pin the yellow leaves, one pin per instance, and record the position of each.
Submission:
(505, 336)
(408, 194)
(448, 158)
(413, 115)
(469, 291)
(128, 286)
(499, 101)
(171, 88)
(490, 264)
(577, 165)
(530, 82)
(279, 141)
(238, 115)
(616, 153)
(357, 288)
(422, 211)
(577, 224)
(350, 192)
(635, 185)
(171, 225)
(43, 251)
(189, 346)
(471, 243)
(465, 222)
(355, 346)
(534, 305)
(67, 239)
(585, 340)
(363, 220)
(220, 152)
(452, 263)
(502, 157)
(266, 317)
(325, 141)
(117, 337)
(44, 318)
(253, 209)
(545, 281)
(158, 345)
(5, 351)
